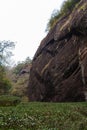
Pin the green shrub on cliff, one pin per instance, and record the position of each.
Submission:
(66, 7)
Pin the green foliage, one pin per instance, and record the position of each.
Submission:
(19, 77)
(2, 72)
(68, 6)
(5, 84)
(17, 69)
(8, 100)
(65, 9)
(52, 21)
(20, 87)
(44, 116)
(5, 51)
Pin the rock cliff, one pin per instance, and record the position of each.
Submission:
(59, 67)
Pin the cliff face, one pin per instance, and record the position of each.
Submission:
(59, 67)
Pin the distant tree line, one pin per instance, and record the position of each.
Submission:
(20, 65)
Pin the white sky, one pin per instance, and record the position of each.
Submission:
(24, 22)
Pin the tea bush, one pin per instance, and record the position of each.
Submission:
(8, 100)
(44, 116)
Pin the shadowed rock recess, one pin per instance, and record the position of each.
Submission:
(59, 67)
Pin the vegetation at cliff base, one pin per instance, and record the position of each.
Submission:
(9, 100)
(5, 53)
(44, 116)
(19, 77)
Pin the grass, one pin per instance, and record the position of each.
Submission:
(44, 116)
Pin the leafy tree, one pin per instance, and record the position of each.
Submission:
(5, 84)
(22, 65)
(28, 60)
(65, 9)
(5, 51)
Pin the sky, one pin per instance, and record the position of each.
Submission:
(24, 22)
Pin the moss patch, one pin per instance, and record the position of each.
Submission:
(83, 7)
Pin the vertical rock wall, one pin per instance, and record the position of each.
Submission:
(59, 67)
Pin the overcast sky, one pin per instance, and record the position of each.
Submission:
(24, 22)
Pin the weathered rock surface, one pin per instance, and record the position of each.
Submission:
(59, 67)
